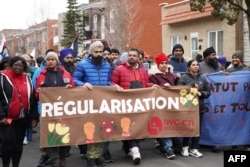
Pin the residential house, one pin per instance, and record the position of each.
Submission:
(148, 17)
(41, 36)
(196, 31)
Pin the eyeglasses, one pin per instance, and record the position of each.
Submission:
(18, 65)
(98, 51)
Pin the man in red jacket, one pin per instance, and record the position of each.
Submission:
(131, 75)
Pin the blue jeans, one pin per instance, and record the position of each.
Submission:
(166, 143)
(28, 134)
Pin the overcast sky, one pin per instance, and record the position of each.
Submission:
(16, 14)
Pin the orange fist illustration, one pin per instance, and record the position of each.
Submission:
(125, 124)
(89, 130)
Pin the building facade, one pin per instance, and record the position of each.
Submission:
(196, 31)
(40, 37)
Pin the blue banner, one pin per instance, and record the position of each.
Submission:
(226, 119)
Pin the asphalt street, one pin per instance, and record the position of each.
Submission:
(150, 156)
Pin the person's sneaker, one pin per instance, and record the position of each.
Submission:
(170, 154)
(135, 154)
(157, 143)
(184, 151)
(25, 141)
(195, 153)
(107, 157)
(42, 161)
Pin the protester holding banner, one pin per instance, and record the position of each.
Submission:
(17, 110)
(93, 71)
(237, 62)
(164, 76)
(195, 79)
(131, 75)
(54, 75)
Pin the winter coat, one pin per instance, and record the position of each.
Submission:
(122, 76)
(66, 76)
(160, 78)
(180, 65)
(87, 72)
(10, 104)
(203, 86)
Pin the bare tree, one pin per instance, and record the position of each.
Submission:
(122, 27)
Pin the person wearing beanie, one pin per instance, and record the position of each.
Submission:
(237, 62)
(96, 44)
(53, 75)
(163, 77)
(66, 58)
(93, 71)
(177, 60)
(210, 63)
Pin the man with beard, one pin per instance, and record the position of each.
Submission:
(96, 71)
(131, 75)
(237, 62)
(66, 58)
(210, 63)
(177, 60)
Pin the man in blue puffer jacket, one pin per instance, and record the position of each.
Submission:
(93, 71)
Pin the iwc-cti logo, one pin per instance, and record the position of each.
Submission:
(154, 126)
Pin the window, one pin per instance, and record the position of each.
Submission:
(112, 21)
(194, 44)
(174, 40)
(103, 27)
(215, 39)
(95, 23)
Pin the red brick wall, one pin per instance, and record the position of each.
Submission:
(151, 38)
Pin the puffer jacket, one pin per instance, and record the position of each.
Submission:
(87, 72)
(203, 86)
(122, 76)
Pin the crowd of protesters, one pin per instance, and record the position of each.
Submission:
(99, 66)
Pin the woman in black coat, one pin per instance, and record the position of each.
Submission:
(195, 79)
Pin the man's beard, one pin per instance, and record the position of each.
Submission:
(69, 66)
(213, 63)
(97, 60)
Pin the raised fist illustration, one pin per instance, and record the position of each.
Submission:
(89, 130)
(125, 124)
